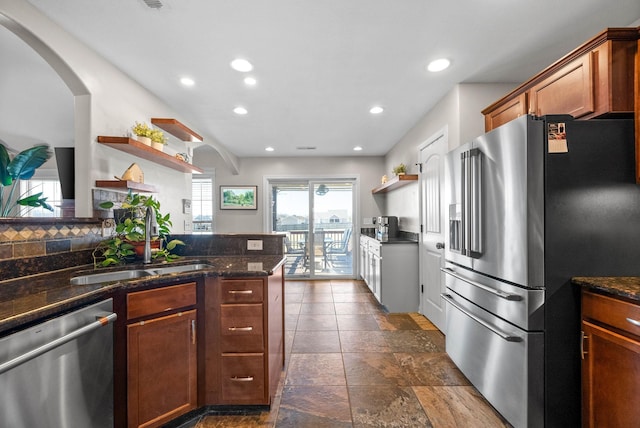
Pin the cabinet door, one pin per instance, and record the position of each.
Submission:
(610, 373)
(503, 113)
(161, 369)
(568, 91)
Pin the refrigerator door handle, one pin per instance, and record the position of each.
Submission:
(474, 161)
(464, 204)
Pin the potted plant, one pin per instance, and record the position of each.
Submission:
(131, 231)
(400, 169)
(143, 132)
(158, 140)
(21, 167)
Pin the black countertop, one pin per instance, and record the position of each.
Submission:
(32, 298)
(626, 287)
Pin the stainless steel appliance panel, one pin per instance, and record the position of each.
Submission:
(503, 362)
(60, 373)
(519, 306)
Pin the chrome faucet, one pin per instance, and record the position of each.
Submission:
(148, 221)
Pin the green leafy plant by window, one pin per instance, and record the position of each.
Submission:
(21, 167)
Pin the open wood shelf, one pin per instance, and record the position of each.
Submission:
(143, 151)
(126, 185)
(177, 129)
(395, 182)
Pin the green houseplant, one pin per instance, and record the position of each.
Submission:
(158, 140)
(131, 231)
(21, 167)
(399, 169)
(143, 131)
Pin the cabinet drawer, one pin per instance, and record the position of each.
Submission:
(148, 302)
(241, 328)
(243, 379)
(241, 290)
(614, 312)
(375, 248)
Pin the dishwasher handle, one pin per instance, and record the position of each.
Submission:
(101, 320)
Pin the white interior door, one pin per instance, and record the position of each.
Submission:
(432, 219)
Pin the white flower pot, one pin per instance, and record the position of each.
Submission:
(144, 140)
(157, 146)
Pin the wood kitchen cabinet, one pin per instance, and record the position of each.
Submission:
(244, 331)
(595, 80)
(161, 354)
(611, 361)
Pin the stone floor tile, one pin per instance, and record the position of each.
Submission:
(317, 308)
(363, 341)
(315, 369)
(314, 406)
(308, 322)
(414, 341)
(317, 298)
(430, 368)
(457, 406)
(353, 297)
(396, 321)
(316, 341)
(373, 368)
(363, 322)
(386, 406)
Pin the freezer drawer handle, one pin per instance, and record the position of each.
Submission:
(101, 320)
(505, 336)
(634, 322)
(501, 294)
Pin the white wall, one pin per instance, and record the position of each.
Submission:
(253, 170)
(107, 102)
(459, 110)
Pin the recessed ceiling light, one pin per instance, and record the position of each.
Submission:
(269, 149)
(240, 110)
(241, 65)
(376, 110)
(438, 65)
(357, 148)
(250, 81)
(187, 81)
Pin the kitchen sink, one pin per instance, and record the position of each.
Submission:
(95, 278)
(120, 275)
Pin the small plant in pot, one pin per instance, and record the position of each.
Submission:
(399, 169)
(158, 140)
(143, 132)
(131, 231)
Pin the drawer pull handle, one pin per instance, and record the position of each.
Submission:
(242, 378)
(634, 322)
(240, 291)
(241, 328)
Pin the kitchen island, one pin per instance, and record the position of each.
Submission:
(204, 332)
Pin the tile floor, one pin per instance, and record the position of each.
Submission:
(351, 364)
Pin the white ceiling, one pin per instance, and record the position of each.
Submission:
(321, 64)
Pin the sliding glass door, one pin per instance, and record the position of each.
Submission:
(317, 217)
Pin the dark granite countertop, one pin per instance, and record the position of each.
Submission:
(399, 240)
(627, 287)
(32, 298)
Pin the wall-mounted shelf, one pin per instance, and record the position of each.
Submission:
(395, 182)
(143, 151)
(126, 185)
(177, 129)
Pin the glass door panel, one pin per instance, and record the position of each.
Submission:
(332, 239)
(317, 218)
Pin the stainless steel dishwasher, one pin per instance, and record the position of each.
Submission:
(60, 373)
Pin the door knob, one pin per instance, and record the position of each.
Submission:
(440, 245)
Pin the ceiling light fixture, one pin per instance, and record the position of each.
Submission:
(187, 81)
(438, 65)
(240, 110)
(250, 81)
(269, 149)
(376, 110)
(242, 65)
(357, 148)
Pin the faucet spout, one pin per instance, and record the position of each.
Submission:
(147, 235)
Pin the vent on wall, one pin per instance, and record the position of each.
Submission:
(153, 4)
(305, 148)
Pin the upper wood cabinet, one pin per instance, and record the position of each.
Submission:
(595, 80)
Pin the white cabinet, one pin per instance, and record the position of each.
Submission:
(390, 270)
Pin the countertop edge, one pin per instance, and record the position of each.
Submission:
(626, 287)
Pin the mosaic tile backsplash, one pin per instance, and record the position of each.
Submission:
(30, 246)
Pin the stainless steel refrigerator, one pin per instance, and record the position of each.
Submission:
(532, 204)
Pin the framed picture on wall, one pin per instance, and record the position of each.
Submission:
(238, 197)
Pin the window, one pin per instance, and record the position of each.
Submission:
(50, 189)
(202, 204)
